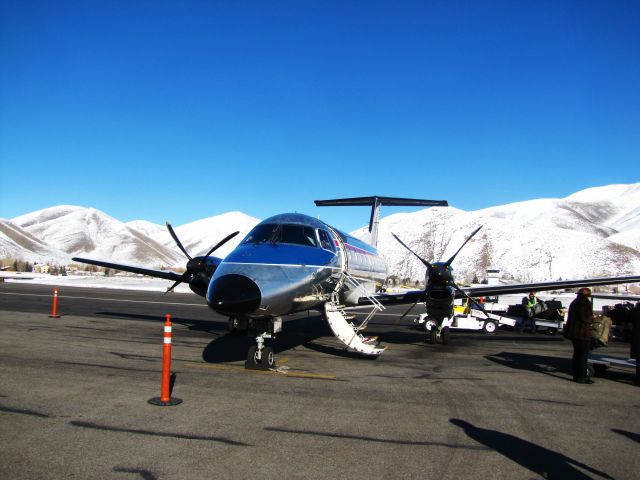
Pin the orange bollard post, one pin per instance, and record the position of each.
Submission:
(54, 312)
(165, 400)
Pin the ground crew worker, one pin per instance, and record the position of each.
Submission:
(530, 302)
(578, 330)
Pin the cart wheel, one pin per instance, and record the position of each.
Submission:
(489, 327)
(552, 331)
(591, 372)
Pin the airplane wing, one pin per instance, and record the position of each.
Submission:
(491, 290)
(166, 274)
(613, 296)
(413, 296)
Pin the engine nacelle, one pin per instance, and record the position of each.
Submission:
(199, 285)
(440, 303)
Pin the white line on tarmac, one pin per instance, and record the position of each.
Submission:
(147, 301)
(105, 299)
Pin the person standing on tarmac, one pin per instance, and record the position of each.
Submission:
(635, 339)
(578, 330)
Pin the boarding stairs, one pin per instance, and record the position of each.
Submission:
(345, 329)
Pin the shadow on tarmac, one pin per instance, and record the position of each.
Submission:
(296, 332)
(553, 365)
(209, 326)
(542, 461)
(633, 436)
(534, 363)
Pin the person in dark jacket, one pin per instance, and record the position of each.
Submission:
(635, 339)
(578, 330)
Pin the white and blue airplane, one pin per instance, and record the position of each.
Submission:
(293, 262)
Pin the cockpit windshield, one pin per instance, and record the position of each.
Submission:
(282, 233)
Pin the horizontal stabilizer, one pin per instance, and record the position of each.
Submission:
(376, 203)
(390, 201)
(166, 274)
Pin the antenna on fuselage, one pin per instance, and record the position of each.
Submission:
(376, 203)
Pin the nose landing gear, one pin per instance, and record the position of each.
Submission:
(439, 333)
(261, 356)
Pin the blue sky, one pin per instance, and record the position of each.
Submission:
(163, 110)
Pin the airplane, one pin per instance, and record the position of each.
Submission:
(292, 262)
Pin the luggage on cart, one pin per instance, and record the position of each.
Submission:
(517, 311)
(600, 330)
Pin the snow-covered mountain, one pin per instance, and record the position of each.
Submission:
(57, 234)
(593, 232)
(87, 232)
(17, 243)
(200, 236)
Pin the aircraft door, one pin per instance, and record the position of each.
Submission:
(337, 246)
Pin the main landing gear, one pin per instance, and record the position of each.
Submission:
(261, 356)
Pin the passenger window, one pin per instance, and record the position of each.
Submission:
(325, 241)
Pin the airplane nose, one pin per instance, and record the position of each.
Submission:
(234, 294)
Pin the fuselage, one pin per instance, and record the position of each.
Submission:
(292, 262)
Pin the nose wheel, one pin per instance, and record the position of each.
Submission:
(261, 356)
(439, 335)
(260, 359)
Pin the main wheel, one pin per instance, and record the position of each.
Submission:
(489, 327)
(444, 335)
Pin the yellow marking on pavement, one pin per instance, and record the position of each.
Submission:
(241, 369)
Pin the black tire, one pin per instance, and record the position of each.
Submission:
(552, 331)
(489, 327)
(444, 335)
(252, 361)
(591, 372)
(268, 358)
(433, 335)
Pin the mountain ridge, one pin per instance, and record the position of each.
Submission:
(593, 232)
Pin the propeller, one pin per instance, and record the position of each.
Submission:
(465, 242)
(446, 265)
(194, 265)
(426, 264)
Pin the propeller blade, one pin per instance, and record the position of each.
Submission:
(465, 242)
(221, 242)
(480, 307)
(177, 240)
(427, 264)
(183, 278)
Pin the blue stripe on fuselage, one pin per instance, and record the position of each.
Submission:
(280, 253)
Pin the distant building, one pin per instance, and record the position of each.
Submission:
(41, 268)
(493, 276)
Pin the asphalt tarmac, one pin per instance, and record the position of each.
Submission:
(74, 397)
